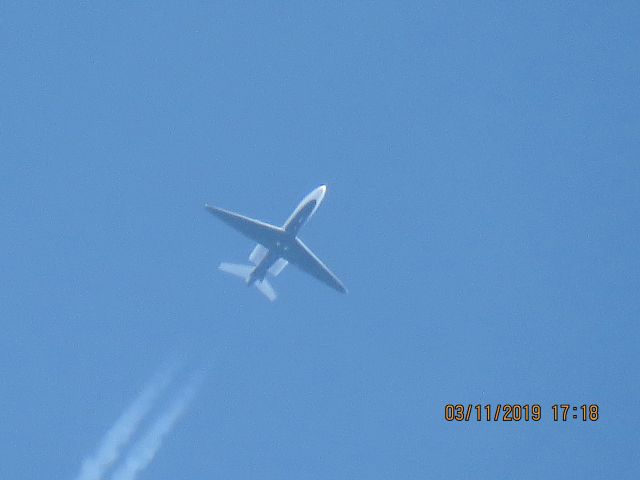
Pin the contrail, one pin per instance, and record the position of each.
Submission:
(143, 452)
(94, 468)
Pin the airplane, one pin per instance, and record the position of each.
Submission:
(277, 246)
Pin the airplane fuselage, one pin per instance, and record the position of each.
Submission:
(305, 209)
(260, 270)
(302, 213)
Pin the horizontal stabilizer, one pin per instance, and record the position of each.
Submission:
(242, 271)
(266, 289)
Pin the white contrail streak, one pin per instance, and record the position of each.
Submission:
(94, 468)
(143, 452)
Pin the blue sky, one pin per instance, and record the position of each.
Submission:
(482, 164)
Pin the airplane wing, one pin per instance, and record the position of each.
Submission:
(256, 230)
(303, 258)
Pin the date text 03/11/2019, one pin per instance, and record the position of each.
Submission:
(515, 412)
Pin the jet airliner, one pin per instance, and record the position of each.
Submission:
(277, 246)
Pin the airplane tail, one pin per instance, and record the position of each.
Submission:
(265, 288)
(236, 269)
(244, 272)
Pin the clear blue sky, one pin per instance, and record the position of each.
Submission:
(483, 202)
